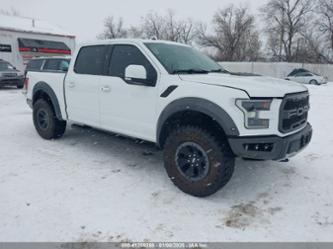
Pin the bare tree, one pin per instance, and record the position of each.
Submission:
(135, 32)
(113, 29)
(310, 47)
(168, 27)
(11, 12)
(234, 37)
(285, 20)
(153, 26)
(325, 21)
(188, 31)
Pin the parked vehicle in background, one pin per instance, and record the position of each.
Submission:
(48, 64)
(297, 71)
(173, 95)
(45, 65)
(9, 75)
(308, 78)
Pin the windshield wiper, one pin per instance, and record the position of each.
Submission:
(190, 71)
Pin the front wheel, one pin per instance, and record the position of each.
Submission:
(196, 162)
(46, 123)
(313, 82)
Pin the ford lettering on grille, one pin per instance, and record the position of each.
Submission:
(294, 112)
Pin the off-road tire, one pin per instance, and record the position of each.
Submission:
(55, 128)
(221, 161)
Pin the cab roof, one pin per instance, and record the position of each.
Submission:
(135, 41)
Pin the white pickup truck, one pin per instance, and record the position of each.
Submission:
(171, 94)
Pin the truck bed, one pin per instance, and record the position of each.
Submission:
(54, 79)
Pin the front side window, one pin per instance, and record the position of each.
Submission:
(183, 59)
(125, 55)
(91, 60)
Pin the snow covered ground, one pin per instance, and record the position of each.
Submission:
(93, 186)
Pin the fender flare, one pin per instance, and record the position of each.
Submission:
(200, 105)
(44, 87)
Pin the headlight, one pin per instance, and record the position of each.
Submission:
(252, 110)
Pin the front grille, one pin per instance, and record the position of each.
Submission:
(9, 74)
(294, 112)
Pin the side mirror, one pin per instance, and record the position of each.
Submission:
(133, 72)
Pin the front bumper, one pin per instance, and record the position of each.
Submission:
(11, 81)
(271, 147)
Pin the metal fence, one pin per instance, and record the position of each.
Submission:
(277, 69)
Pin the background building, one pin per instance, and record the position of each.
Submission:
(24, 38)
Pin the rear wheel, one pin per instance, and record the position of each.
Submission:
(196, 162)
(46, 123)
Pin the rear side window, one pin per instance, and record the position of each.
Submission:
(303, 74)
(91, 60)
(125, 55)
(34, 65)
(55, 64)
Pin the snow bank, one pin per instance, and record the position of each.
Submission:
(93, 186)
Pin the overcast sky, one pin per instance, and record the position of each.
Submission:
(84, 18)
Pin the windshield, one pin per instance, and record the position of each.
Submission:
(5, 66)
(183, 59)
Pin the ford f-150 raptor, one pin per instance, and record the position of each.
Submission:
(173, 95)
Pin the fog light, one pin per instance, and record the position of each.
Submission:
(264, 147)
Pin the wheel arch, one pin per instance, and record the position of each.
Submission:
(195, 106)
(43, 90)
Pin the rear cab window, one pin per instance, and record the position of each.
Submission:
(91, 60)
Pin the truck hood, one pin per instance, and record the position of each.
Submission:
(255, 86)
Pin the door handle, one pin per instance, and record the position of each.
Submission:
(71, 84)
(106, 89)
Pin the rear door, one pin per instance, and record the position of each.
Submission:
(83, 85)
(127, 106)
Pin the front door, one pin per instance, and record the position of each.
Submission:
(128, 106)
